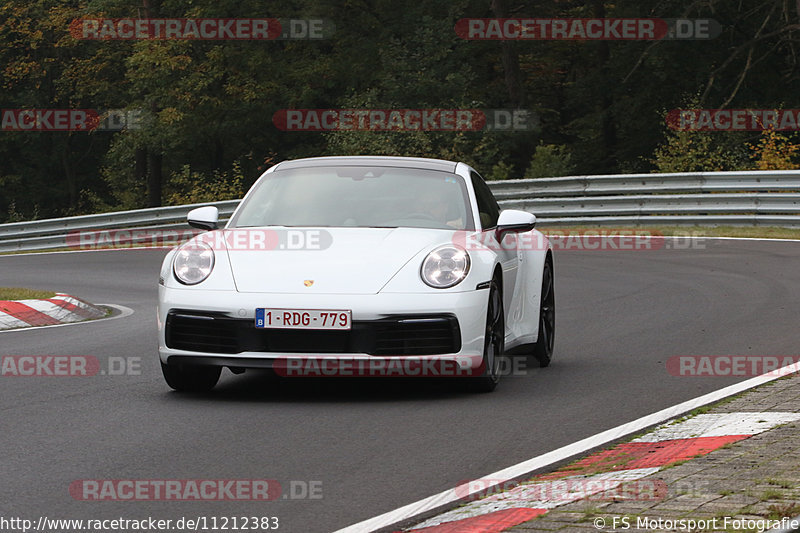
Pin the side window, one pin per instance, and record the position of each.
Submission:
(488, 208)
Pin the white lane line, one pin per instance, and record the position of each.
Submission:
(548, 494)
(123, 312)
(720, 425)
(451, 496)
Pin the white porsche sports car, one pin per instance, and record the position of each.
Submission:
(358, 266)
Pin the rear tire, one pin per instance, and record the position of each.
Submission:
(191, 378)
(493, 342)
(543, 349)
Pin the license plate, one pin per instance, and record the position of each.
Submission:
(303, 318)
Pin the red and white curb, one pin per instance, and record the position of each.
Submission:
(605, 471)
(60, 309)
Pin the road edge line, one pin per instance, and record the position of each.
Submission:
(447, 499)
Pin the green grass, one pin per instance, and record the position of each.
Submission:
(777, 511)
(15, 293)
(673, 465)
(782, 483)
(705, 409)
(771, 494)
(43, 251)
(589, 513)
(746, 510)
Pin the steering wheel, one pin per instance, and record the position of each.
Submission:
(426, 216)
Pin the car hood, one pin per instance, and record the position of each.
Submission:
(346, 261)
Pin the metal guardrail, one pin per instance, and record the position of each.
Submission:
(117, 219)
(53, 232)
(617, 184)
(753, 198)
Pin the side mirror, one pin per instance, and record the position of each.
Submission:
(514, 221)
(204, 218)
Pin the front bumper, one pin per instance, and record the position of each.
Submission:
(375, 317)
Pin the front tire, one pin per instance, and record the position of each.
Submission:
(493, 343)
(191, 378)
(543, 349)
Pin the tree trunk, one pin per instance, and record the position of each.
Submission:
(154, 179)
(154, 159)
(510, 58)
(608, 129)
(69, 174)
(140, 170)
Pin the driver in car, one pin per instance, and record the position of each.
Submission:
(437, 205)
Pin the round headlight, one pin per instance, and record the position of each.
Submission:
(445, 267)
(193, 263)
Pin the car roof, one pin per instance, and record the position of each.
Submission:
(370, 160)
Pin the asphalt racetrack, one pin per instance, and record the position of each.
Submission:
(369, 446)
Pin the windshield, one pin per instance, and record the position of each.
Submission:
(358, 196)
